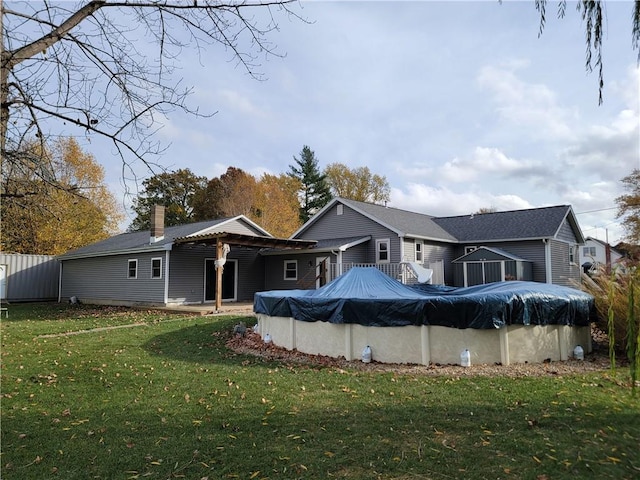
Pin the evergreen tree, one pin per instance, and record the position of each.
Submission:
(314, 192)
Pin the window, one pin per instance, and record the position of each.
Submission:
(156, 268)
(290, 269)
(589, 251)
(572, 254)
(419, 252)
(339, 209)
(382, 251)
(132, 271)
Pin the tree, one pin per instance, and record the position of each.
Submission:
(276, 207)
(78, 66)
(238, 192)
(629, 206)
(51, 220)
(483, 210)
(314, 192)
(229, 195)
(594, 18)
(175, 190)
(207, 201)
(357, 184)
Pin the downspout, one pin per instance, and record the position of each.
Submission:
(402, 275)
(547, 261)
(166, 277)
(60, 283)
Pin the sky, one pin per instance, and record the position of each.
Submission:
(460, 105)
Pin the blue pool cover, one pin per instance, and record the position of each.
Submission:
(366, 296)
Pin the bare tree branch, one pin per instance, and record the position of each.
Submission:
(82, 66)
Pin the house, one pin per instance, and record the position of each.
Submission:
(596, 254)
(173, 265)
(177, 265)
(539, 244)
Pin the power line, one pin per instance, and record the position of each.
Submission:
(599, 210)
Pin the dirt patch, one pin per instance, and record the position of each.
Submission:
(252, 344)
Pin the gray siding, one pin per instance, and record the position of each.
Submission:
(435, 252)
(250, 273)
(350, 224)
(104, 279)
(274, 270)
(563, 272)
(357, 254)
(566, 233)
(186, 273)
(409, 247)
(239, 227)
(29, 278)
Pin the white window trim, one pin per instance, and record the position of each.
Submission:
(572, 254)
(152, 260)
(134, 260)
(379, 242)
(419, 251)
(295, 262)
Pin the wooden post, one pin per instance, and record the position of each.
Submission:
(219, 269)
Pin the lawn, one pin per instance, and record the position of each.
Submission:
(160, 396)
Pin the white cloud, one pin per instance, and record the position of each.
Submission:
(442, 201)
(240, 103)
(525, 105)
(610, 149)
(485, 160)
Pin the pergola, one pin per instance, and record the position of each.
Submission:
(220, 239)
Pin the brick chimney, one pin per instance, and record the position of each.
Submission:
(157, 223)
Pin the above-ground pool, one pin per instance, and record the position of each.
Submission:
(502, 322)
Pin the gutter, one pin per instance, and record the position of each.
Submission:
(126, 251)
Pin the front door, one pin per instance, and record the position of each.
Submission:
(228, 280)
(322, 271)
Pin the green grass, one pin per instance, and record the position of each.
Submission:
(166, 399)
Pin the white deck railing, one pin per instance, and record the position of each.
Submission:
(398, 271)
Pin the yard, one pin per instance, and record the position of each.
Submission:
(110, 393)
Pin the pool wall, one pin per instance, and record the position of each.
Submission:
(427, 344)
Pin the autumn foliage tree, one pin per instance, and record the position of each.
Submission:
(276, 204)
(629, 206)
(357, 183)
(228, 195)
(43, 218)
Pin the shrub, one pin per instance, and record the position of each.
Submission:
(611, 293)
(616, 299)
